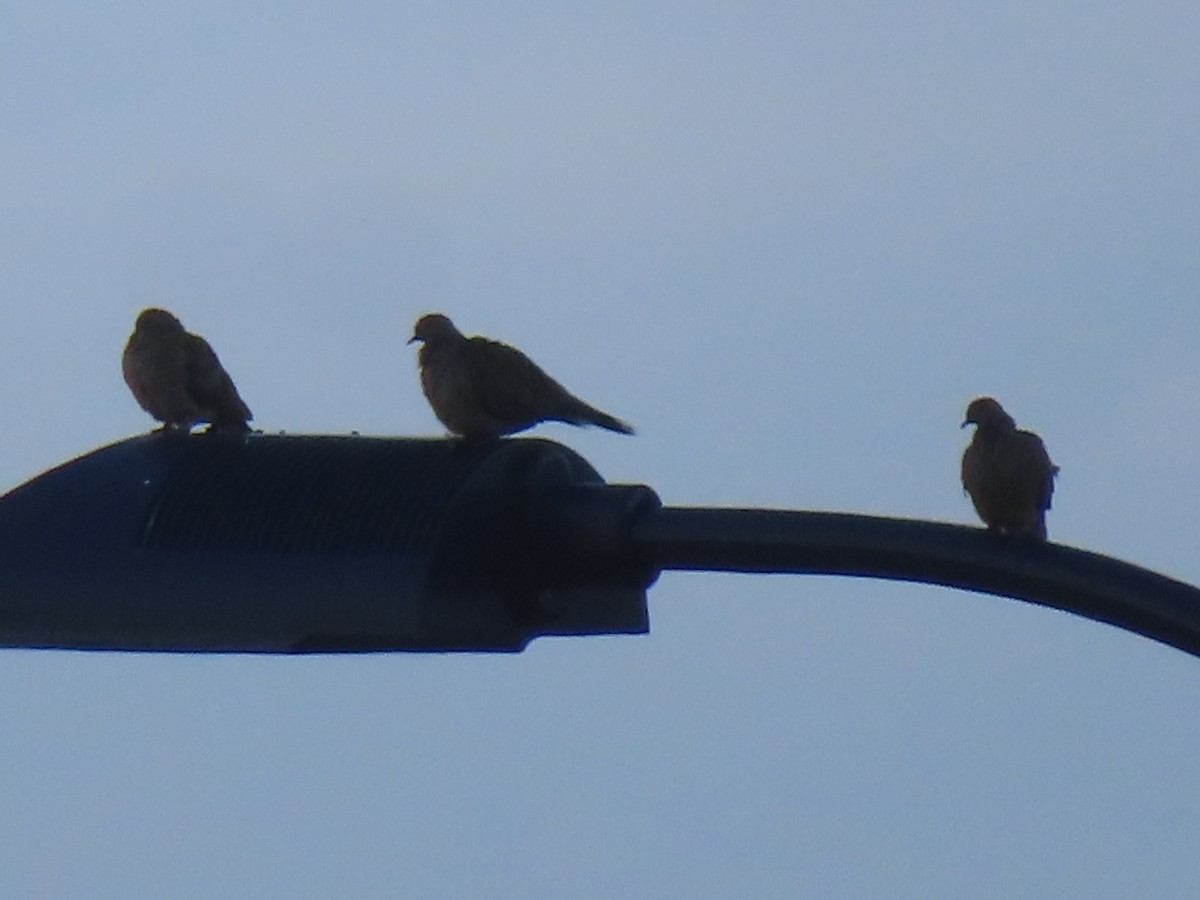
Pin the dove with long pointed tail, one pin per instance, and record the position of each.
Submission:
(482, 389)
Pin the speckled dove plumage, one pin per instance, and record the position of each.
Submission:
(1007, 472)
(177, 378)
(481, 389)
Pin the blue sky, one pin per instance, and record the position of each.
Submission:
(788, 243)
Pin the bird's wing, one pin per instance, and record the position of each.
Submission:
(207, 382)
(203, 373)
(1036, 462)
(508, 385)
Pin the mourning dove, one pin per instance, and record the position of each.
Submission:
(1007, 472)
(481, 389)
(176, 377)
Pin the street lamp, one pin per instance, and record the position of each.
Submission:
(318, 543)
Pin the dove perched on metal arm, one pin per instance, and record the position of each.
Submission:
(177, 378)
(1007, 472)
(481, 389)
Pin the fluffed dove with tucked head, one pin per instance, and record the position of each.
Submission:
(1007, 472)
(176, 377)
(481, 389)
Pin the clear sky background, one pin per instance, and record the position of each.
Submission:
(788, 242)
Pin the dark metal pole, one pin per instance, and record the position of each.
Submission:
(1087, 584)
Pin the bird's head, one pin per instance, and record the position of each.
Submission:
(157, 320)
(432, 327)
(985, 411)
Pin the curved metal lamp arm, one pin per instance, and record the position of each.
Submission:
(1076, 581)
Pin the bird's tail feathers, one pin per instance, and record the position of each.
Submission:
(581, 413)
(612, 423)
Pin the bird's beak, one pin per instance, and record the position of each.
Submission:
(965, 423)
(412, 340)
